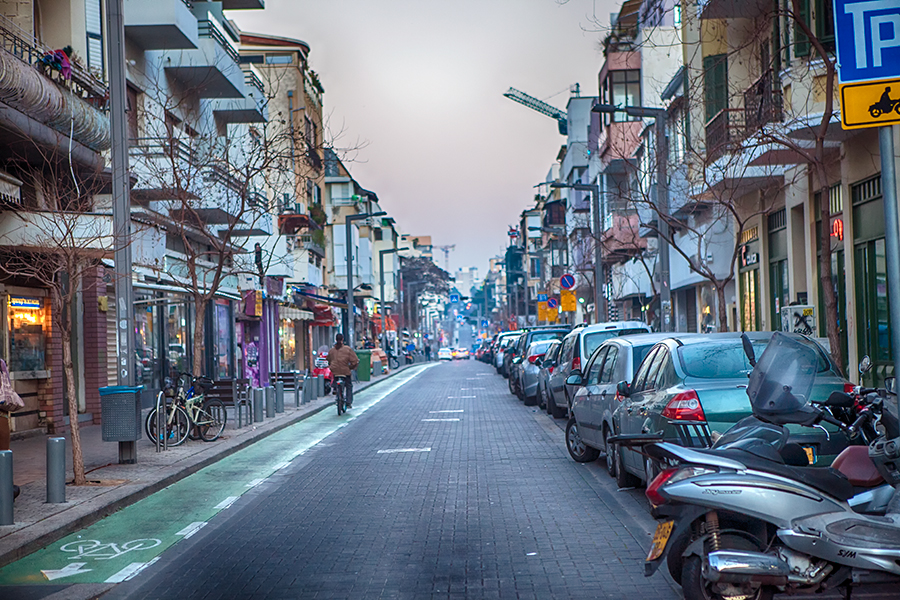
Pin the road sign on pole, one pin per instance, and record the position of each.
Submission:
(868, 59)
(567, 281)
(567, 301)
(454, 298)
(552, 303)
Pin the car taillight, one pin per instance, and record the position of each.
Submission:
(660, 480)
(550, 369)
(533, 358)
(684, 407)
(576, 363)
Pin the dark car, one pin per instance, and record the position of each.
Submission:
(548, 364)
(693, 388)
(593, 405)
(530, 336)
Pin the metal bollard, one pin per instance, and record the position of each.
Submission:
(257, 405)
(321, 385)
(270, 402)
(279, 397)
(6, 487)
(313, 388)
(56, 470)
(297, 383)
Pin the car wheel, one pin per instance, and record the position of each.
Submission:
(578, 450)
(610, 454)
(530, 400)
(541, 398)
(555, 410)
(624, 479)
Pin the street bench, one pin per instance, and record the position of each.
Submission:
(236, 393)
(292, 381)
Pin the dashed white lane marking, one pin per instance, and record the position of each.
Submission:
(396, 450)
(130, 571)
(255, 482)
(226, 502)
(459, 410)
(437, 420)
(192, 529)
(457, 397)
(279, 467)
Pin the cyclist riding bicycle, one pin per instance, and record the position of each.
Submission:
(342, 360)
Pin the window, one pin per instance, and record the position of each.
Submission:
(378, 235)
(666, 377)
(641, 374)
(132, 109)
(609, 366)
(819, 17)
(659, 358)
(593, 376)
(622, 88)
(718, 360)
(252, 58)
(93, 25)
(279, 59)
(715, 84)
(27, 342)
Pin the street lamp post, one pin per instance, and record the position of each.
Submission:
(662, 198)
(348, 222)
(381, 254)
(596, 207)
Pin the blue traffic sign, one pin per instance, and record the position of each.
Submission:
(868, 40)
(454, 298)
(552, 303)
(567, 281)
(542, 297)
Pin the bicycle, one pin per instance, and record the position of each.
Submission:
(177, 423)
(393, 361)
(342, 402)
(189, 414)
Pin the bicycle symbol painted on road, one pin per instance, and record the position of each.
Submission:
(99, 551)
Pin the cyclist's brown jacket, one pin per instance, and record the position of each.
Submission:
(342, 361)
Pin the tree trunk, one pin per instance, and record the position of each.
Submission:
(721, 308)
(829, 299)
(72, 400)
(197, 353)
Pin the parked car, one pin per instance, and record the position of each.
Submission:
(591, 423)
(445, 354)
(530, 370)
(548, 364)
(577, 347)
(503, 341)
(510, 353)
(694, 388)
(537, 334)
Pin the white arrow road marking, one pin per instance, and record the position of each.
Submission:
(282, 465)
(226, 503)
(67, 571)
(458, 410)
(394, 450)
(192, 529)
(130, 571)
(438, 420)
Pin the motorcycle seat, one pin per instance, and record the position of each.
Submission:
(855, 464)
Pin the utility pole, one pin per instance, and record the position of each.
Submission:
(115, 25)
(381, 254)
(348, 238)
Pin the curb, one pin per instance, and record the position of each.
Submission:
(88, 514)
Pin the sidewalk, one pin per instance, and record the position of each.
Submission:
(38, 524)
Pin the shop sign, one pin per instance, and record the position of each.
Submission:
(32, 303)
(748, 259)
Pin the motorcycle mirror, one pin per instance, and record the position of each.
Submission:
(865, 365)
(890, 384)
(748, 349)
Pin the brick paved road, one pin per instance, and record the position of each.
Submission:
(495, 509)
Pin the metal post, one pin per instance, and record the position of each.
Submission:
(598, 253)
(891, 237)
(56, 470)
(320, 383)
(662, 212)
(257, 405)
(6, 487)
(279, 397)
(115, 25)
(313, 383)
(270, 402)
(297, 383)
(348, 334)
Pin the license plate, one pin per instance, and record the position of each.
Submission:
(660, 538)
(810, 454)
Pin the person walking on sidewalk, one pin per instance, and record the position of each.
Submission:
(342, 360)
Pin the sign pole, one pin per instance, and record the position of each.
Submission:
(891, 237)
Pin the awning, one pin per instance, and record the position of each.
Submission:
(321, 299)
(295, 314)
(323, 315)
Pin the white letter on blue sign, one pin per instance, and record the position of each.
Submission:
(858, 11)
(877, 42)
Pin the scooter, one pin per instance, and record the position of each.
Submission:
(745, 519)
(320, 367)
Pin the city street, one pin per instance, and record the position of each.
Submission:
(439, 484)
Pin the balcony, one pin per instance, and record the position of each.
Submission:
(243, 4)
(762, 104)
(212, 70)
(161, 24)
(43, 98)
(724, 133)
(733, 9)
(310, 245)
(252, 108)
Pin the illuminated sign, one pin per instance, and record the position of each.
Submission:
(32, 303)
(837, 229)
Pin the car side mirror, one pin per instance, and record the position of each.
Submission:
(865, 365)
(574, 379)
(517, 360)
(623, 389)
(538, 362)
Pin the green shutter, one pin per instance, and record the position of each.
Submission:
(801, 42)
(715, 84)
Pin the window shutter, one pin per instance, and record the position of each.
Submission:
(715, 84)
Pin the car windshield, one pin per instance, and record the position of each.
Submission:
(539, 347)
(720, 359)
(540, 336)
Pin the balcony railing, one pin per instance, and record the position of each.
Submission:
(208, 29)
(254, 83)
(762, 103)
(723, 132)
(257, 200)
(160, 147)
(313, 158)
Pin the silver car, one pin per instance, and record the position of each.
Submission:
(503, 342)
(531, 369)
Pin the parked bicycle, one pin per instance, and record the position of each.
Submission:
(188, 413)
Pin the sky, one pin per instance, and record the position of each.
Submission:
(414, 93)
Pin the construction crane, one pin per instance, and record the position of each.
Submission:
(542, 107)
(446, 250)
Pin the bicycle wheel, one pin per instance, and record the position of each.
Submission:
(211, 420)
(339, 397)
(177, 425)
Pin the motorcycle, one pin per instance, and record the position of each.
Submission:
(748, 517)
(320, 367)
(883, 107)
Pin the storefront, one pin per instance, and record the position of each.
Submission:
(749, 279)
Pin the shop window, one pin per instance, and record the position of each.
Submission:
(27, 340)
(223, 339)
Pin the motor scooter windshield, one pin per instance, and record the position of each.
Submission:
(781, 382)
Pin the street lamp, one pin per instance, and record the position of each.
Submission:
(662, 197)
(596, 206)
(348, 220)
(381, 254)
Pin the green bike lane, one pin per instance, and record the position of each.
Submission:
(120, 546)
